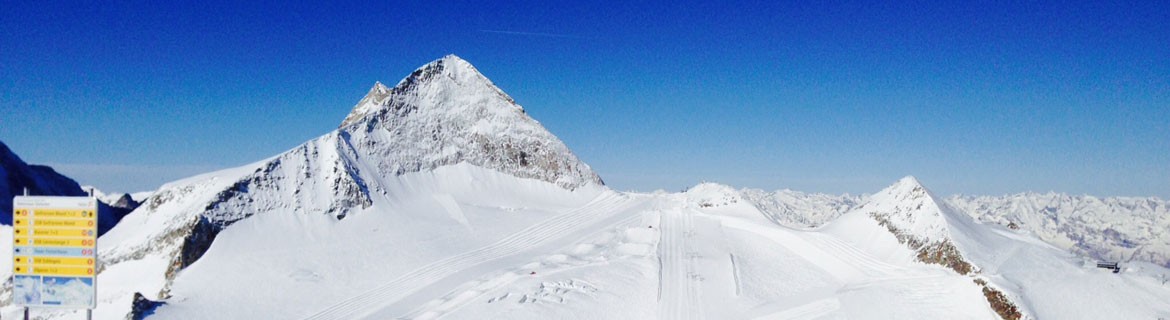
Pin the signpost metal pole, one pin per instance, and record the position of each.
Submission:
(26, 308)
(14, 275)
(88, 311)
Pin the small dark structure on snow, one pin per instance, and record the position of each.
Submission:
(1109, 265)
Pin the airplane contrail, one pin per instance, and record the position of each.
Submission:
(531, 34)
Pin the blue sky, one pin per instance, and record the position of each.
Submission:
(973, 97)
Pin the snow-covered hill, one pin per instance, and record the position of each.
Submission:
(1115, 228)
(441, 198)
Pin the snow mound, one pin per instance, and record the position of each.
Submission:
(709, 195)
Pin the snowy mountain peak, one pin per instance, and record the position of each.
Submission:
(377, 93)
(908, 206)
(905, 186)
(445, 77)
(446, 112)
(452, 67)
(920, 221)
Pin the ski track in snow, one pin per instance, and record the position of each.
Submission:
(809, 311)
(678, 293)
(863, 261)
(735, 274)
(388, 293)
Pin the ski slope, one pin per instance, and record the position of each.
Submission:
(404, 291)
(678, 287)
(618, 255)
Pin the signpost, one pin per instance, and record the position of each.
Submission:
(54, 252)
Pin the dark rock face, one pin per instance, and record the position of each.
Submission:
(143, 307)
(16, 176)
(942, 253)
(1000, 302)
(125, 202)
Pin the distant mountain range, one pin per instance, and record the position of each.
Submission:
(1110, 229)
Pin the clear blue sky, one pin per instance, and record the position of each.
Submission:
(972, 97)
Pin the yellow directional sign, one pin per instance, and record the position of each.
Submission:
(64, 213)
(65, 261)
(61, 242)
(71, 223)
(63, 271)
(47, 232)
(54, 244)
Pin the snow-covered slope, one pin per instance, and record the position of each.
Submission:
(1116, 228)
